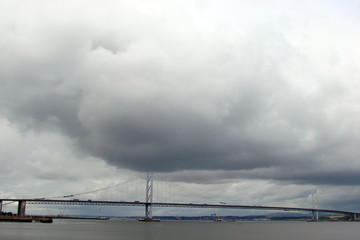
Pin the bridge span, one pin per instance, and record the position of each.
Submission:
(23, 201)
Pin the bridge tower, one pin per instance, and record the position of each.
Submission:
(149, 197)
(315, 211)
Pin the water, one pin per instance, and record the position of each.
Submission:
(178, 230)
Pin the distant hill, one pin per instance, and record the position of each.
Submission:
(268, 217)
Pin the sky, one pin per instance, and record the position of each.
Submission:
(248, 102)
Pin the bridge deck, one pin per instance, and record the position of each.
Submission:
(184, 205)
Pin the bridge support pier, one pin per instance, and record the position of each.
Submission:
(315, 214)
(354, 217)
(21, 208)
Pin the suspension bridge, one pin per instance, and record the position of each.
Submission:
(148, 204)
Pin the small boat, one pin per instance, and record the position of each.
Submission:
(43, 220)
(148, 220)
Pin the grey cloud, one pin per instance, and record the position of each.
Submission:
(52, 112)
(190, 100)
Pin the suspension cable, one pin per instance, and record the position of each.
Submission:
(184, 189)
(93, 191)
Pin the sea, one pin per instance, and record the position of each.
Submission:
(111, 229)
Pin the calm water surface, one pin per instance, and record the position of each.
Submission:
(179, 230)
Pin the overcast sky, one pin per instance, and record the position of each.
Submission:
(250, 102)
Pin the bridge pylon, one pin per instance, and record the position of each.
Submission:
(315, 212)
(149, 197)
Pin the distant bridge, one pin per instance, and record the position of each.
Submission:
(148, 204)
(23, 201)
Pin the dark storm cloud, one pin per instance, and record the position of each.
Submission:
(50, 112)
(186, 97)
